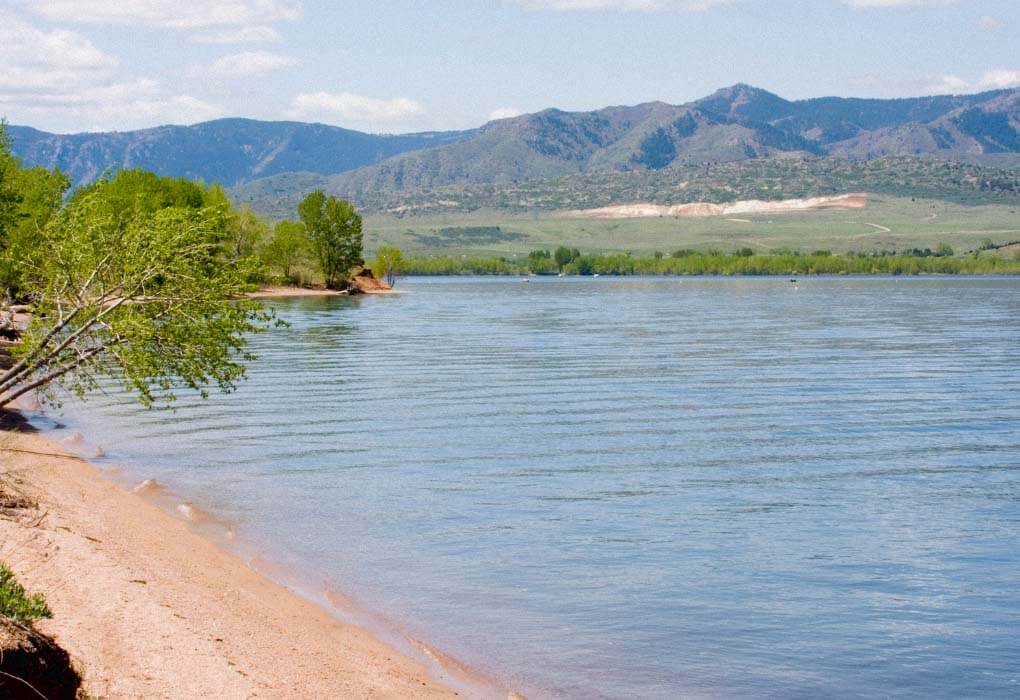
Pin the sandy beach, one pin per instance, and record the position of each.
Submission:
(286, 292)
(148, 608)
(365, 284)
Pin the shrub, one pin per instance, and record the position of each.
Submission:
(15, 602)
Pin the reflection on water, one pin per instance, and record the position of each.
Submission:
(627, 487)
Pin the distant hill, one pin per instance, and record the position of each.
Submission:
(271, 164)
(788, 177)
(228, 151)
(733, 124)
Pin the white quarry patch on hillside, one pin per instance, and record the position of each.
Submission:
(852, 200)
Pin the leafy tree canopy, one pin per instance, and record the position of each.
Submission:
(136, 283)
(287, 249)
(389, 263)
(334, 229)
(29, 197)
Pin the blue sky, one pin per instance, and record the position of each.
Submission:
(396, 65)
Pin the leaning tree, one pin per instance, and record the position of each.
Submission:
(147, 295)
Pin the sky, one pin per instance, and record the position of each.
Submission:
(390, 66)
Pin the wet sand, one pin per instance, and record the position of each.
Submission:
(149, 608)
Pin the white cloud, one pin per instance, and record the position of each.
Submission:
(210, 22)
(899, 3)
(505, 113)
(997, 79)
(243, 65)
(170, 13)
(258, 34)
(58, 79)
(129, 105)
(36, 60)
(622, 5)
(1000, 78)
(357, 109)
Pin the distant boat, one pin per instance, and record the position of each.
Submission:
(595, 275)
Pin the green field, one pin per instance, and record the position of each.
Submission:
(910, 223)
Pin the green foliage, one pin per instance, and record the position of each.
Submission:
(140, 191)
(28, 199)
(717, 263)
(564, 256)
(334, 228)
(584, 265)
(389, 263)
(541, 262)
(287, 249)
(126, 288)
(16, 604)
(245, 231)
(9, 199)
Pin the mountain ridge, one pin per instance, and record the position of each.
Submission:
(734, 124)
(230, 151)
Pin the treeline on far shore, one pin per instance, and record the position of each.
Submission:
(741, 262)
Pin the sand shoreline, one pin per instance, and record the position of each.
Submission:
(150, 608)
(368, 285)
(289, 292)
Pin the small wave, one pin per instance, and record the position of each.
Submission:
(461, 672)
(341, 601)
(149, 487)
(194, 514)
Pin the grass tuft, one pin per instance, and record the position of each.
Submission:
(15, 602)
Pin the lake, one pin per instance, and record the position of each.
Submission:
(628, 487)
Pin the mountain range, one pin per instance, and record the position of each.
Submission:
(737, 123)
(227, 151)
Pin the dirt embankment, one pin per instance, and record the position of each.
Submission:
(32, 665)
(367, 283)
(853, 200)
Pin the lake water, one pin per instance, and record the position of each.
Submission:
(637, 487)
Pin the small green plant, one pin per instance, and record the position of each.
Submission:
(15, 602)
(389, 263)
